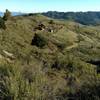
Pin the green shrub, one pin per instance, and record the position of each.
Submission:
(39, 40)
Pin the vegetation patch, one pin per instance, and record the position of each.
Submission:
(39, 40)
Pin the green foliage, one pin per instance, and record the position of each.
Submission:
(39, 40)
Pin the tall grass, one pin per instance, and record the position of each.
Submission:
(19, 83)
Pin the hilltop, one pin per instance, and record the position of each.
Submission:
(49, 59)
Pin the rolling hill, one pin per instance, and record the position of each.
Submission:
(49, 59)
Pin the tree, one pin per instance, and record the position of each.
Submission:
(7, 15)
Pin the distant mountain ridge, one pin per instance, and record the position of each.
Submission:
(86, 18)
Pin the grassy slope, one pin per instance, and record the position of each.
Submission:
(68, 43)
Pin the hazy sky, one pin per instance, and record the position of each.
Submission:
(50, 5)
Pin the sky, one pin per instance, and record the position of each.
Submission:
(49, 5)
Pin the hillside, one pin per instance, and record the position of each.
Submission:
(86, 18)
(49, 59)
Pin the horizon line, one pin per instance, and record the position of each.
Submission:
(50, 11)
